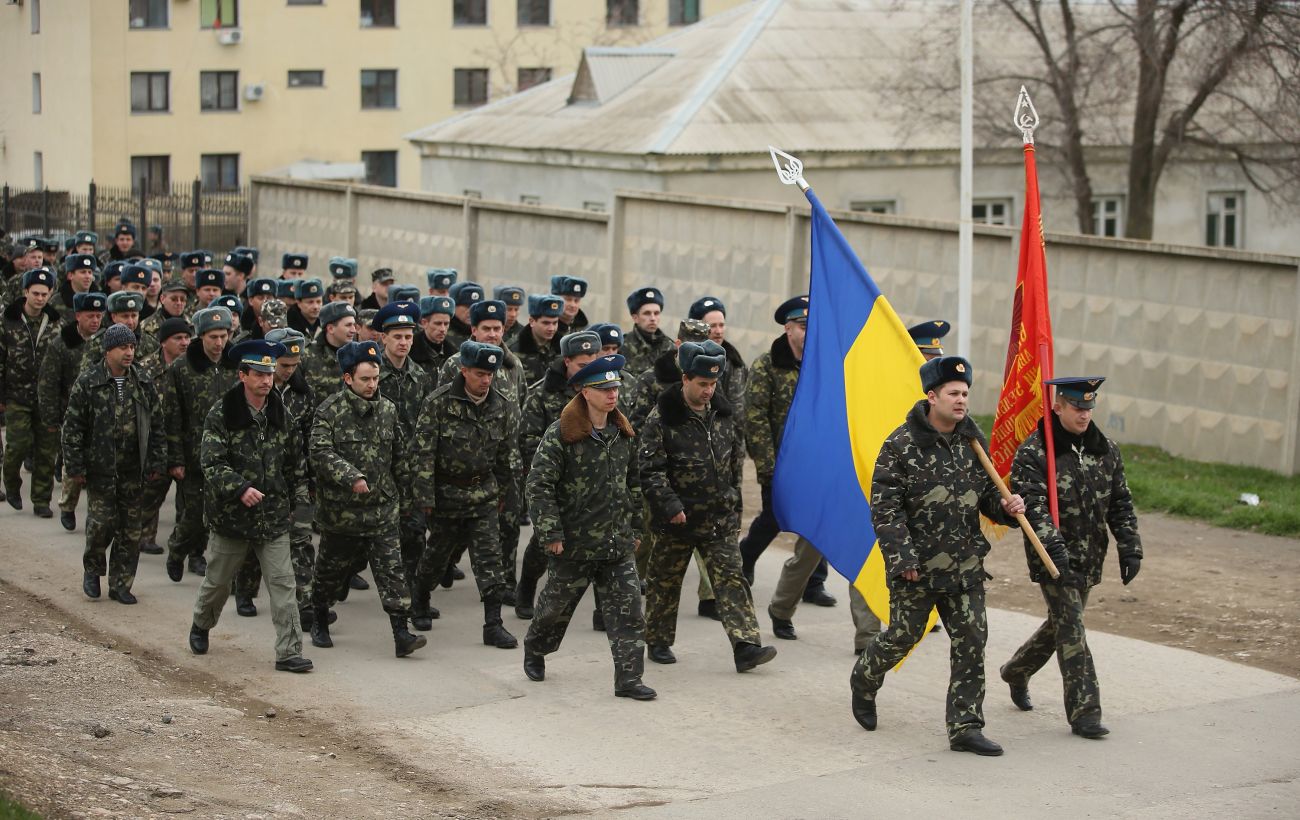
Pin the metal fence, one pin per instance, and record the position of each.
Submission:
(190, 217)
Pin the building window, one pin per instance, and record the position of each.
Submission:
(530, 199)
(1108, 216)
(378, 88)
(218, 13)
(36, 93)
(378, 13)
(36, 16)
(991, 211)
(314, 78)
(874, 206)
(534, 12)
(529, 77)
(147, 14)
(683, 12)
(622, 12)
(154, 172)
(150, 91)
(220, 172)
(219, 90)
(1223, 219)
(593, 206)
(381, 167)
(38, 170)
(469, 12)
(471, 86)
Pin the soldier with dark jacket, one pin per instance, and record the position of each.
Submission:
(26, 328)
(645, 388)
(464, 442)
(711, 311)
(514, 298)
(1093, 497)
(538, 344)
(79, 270)
(308, 302)
(173, 339)
(465, 295)
(585, 499)
(59, 370)
(112, 444)
(361, 465)
(124, 244)
(645, 342)
(572, 290)
(430, 349)
(123, 308)
(927, 494)
(692, 464)
(320, 365)
(191, 386)
(172, 300)
(252, 467)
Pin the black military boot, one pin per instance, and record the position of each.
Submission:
(245, 607)
(175, 568)
(534, 665)
(68, 520)
(198, 640)
(1089, 728)
(749, 655)
(90, 584)
(660, 653)
(306, 617)
(403, 641)
(198, 565)
(421, 612)
(782, 628)
(863, 702)
(494, 634)
(525, 594)
(975, 741)
(320, 627)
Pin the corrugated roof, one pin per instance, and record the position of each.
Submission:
(604, 73)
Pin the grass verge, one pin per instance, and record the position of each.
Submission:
(10, 810)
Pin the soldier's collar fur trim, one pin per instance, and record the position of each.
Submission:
(527, 343)
(200, 361)
(924, 434)
(734, 359)
(71, 336)
(666, 370)
(782, 355)
(235, 412)
(673, 409)
(1092, 439)
(556, 379)
(576, 426)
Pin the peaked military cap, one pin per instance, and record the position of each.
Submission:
(638, 299)
(113, 270)
(173, 285)
(927, 335)
(334, 311)
(173, 327)
(430, 305)
(511, 295)
(692, 330)
(85, 238)
(79, 261)
(794, 309)
(212, 318)
(488, 311)
(610, 334)
(540, 305)
(343, 268)
(705, 305)
(118, 335)
(259, 287)
(192, 259)
(257, 354)
(705, 359)
(210, 278)
(1081, 391)
(240, 262)
(136, 275)
(382, 275)
(294, 342)
(125, 302)
(90, 300)
(466, 293)
(568, 286)
(286, 289)
(354, 353)
(576, 344)
(309, 289)
(602, 372)
(404, 293)
(293, 261)
(480, 356)
(39, 276)
(230, 303)
(938, 372)
(396, 315)
(440, 278)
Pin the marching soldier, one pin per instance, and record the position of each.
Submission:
(380, 280)
(293, 266)
(124, 309)
(124, 245)
(537, 344)
(309, 300)
(361, 463)
(320, 366)
(191, 385)
(611, 336)
(692, 464)
(440, 280)
(252, 467)
(662, 374)
(59, 370)
(26, 328)
(112, 444)
(711, 311)
(572, 290)
(209, 282)
(174, 339)
(256, 293)
(1093, 497)
(465, 295)
(430, 349)
(78, 277)
(237, 270)
(927, 493)
(514, 299)
(585, 499)
(645, 342)
(172, 300)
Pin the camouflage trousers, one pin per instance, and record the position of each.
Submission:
(411, 528)
(113, 532)
(480, 535)
(667, 567)
(27, 435)
(964, 617)
(342, 555)
(508, 527)
(224, 561)
(189, 535)
(302, 557)
(618, 593)
(1062, 635)
(155, 495)
(69, 494)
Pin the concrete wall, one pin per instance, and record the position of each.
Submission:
(1201, 347)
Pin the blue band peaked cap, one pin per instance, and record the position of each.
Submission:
(480, 356)
(396, 315)
(605, 371)
(704, 306)
(705, 359)
(430, 305)
(793, 309)
(542, 305)
(939, 371)
(926, 335)
(1081, 391)
(441, 278)
(258, 354)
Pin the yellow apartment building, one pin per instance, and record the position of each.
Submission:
(173, 90)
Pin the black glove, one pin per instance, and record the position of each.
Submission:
(1128, 568)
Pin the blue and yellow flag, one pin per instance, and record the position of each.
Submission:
(859, 377)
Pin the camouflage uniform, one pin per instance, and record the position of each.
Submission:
(458, 332)
(584, 490)
(113, 443)
(353, 438)
(734, 381)
(406, 388)
(580, 322)
(546, 400)
(144, 345)
(1092, 495)
(59, 371)
(149, 327)
(153, 368)
(534, 355)
(693, 463)
(320, 367)
(23, 342)
(641, 351)
(430, 358)
(191, 386)
(927, 494)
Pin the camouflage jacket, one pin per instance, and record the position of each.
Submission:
(153, 366)
(94, 354)
(511, 333)
(406, 388)
(692, 463)
(464, 456)
(641, 350)
(320, 367)
(91, 444)
(300, 404)
(354, 438)
(59, 370)
(584, 489)
(580, 322)
(734, 381)
(22, 346)
(1092, 496)
(61, 301)
(927, 493)
(640, 397)
(457, 333)
(299, 323)
(536, 357)
(546, 400)
(191, 386)
(430, 358)
(767, 401)
(149, 327)
(241, 450)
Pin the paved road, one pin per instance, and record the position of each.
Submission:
(1191, 735)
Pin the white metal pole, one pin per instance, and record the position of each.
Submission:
(965, 233)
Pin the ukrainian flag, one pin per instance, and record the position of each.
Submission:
(859, 377)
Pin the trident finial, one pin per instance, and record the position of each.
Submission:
(792, 173)
(1026, 116)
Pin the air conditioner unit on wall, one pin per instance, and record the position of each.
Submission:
(230, 36)
(254, 92)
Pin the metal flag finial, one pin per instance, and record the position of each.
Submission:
(1026, 116)
(792, 173)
